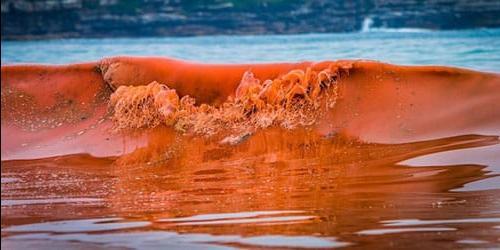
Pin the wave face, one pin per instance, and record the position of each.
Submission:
(83, 105)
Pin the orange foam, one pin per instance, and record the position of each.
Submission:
(297, 98)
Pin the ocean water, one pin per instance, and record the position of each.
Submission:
(279, 188)
(476, 49)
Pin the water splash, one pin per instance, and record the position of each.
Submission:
(294, 99)
(367, 24)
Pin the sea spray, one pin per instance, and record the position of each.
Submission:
(297, 98)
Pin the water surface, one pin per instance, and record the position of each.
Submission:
(476, 49)
(278, 189)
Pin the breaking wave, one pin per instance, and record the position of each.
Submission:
(68, 109)
(368, 26)
(294, 99)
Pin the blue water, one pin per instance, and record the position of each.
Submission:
(476, 49)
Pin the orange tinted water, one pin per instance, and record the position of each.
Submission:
(407, 158)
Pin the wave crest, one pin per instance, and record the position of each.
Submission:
(294, 99)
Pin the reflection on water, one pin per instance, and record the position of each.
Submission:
(169, 240)
(405, 230)
(417, 222)
(70, 226)
(47, 201)
(276, 189)
(240, 218)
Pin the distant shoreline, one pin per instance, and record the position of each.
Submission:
(56, 19)
(375, 30)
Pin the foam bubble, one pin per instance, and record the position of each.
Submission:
(294, 99)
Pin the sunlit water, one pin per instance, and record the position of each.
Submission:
(477, 49)
(272, 192)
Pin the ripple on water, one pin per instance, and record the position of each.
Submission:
(50, 201)
(6, 180)
(404, 230)
(417, 222)
(71, 226)
(407, 225)
(472, 241)
(256, 217)
(169, 240)
(84, 231)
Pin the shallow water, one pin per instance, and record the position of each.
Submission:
(276, 189)
(307, 192)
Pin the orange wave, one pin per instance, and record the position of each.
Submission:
(297, 98)
(58, 110)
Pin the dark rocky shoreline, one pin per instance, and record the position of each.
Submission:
(49, 19)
